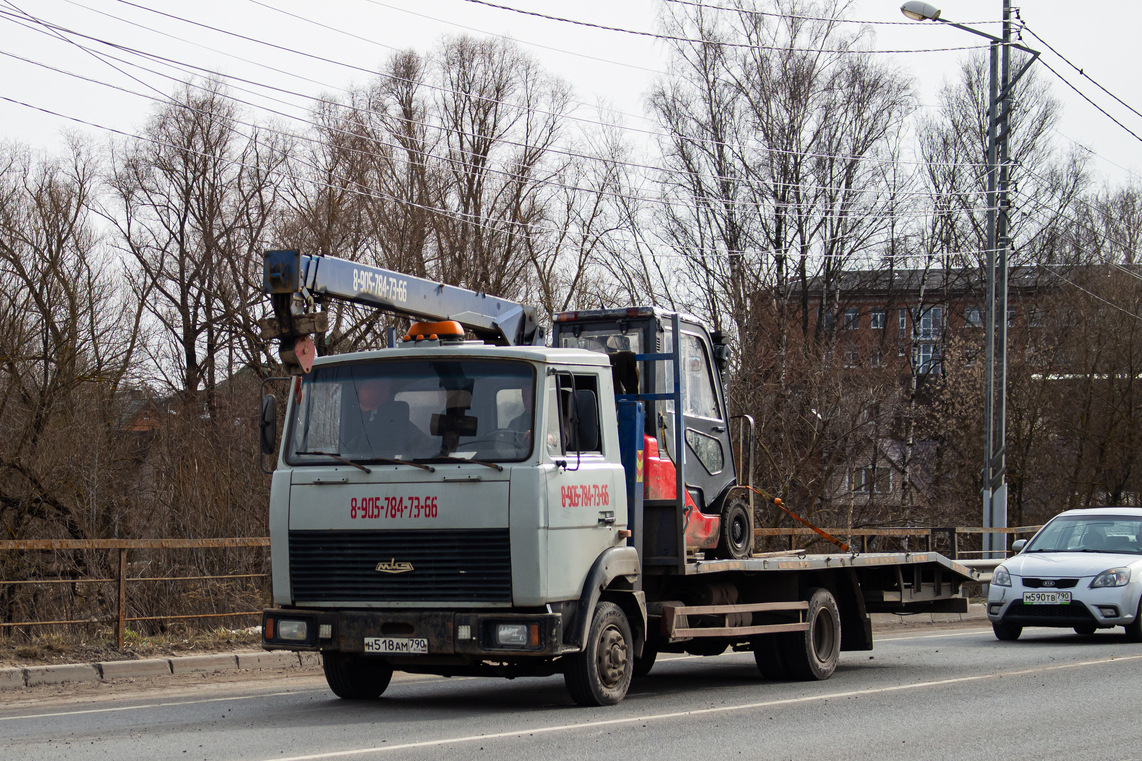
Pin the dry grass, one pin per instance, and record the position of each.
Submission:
(51, 649)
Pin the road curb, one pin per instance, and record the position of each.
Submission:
(112, 671)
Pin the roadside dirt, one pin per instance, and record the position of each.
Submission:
(55, 650)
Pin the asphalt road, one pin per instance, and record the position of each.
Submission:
(929, 694)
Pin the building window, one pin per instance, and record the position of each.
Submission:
(852, 357)
(929, 323)
(870, 480)
(876, 358)
(973, 317)
(828, 320)
(903, 315)
(876, 319)
(927, 358)
(852, 318)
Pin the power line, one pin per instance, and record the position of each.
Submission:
(676, 38)
(1083, 72)
(798, 17)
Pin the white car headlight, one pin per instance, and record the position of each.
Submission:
(1113, 577)
(1001, 578)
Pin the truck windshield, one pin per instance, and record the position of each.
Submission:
(414, 410)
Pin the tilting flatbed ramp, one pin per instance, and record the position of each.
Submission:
(891, 582)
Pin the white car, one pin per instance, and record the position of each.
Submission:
(1082, 571)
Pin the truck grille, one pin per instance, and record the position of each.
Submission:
(447, 566)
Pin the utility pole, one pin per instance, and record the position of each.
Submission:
(998, 158)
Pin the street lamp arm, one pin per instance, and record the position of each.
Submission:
(918, 11)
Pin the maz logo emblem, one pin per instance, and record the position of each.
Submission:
(392, 566)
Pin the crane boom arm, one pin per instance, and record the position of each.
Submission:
(296, 281)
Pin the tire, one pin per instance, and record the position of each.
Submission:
(767, 654)
(1134, 630)
(735, 538)
(1006, 632)
(601, 674)
(814, 653)
(645, 662)
(1085, 630)
(356, 677)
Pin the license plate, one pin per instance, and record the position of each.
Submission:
(397, 645)
(1046, 598)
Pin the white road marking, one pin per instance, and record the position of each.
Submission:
(412, 680)
(902, 637)
(1036, 670)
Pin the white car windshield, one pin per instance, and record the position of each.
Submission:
(1089, 533)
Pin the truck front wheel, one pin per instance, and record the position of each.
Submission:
(356, 677)
(813, 653)
(600, 675)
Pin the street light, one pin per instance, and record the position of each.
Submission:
(994, 491)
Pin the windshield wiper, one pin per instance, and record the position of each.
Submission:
(336, 457)
(450, 458)
(390, 461)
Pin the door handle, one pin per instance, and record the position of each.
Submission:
(607, 518)
(718, 429)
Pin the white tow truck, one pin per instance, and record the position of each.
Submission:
(497, 506)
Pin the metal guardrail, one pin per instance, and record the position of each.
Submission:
(929, 535)
(121, 577)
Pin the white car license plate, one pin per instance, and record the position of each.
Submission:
(1046, 598)
(397, 645)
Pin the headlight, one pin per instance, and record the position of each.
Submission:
(511, 635)
(1114, 577)
(1001, 578)
(295, 631)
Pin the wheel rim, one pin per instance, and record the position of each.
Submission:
(738, 530)
(612, 657)
(824, 636)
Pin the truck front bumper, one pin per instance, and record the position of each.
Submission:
(418, 634)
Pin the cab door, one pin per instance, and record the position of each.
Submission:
(709, 468)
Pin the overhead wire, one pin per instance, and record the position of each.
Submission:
(661, 200)
(800, 17)
(678, 38)
(311, 122)
(426, 85)
(644, 167)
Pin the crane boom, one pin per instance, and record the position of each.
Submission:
(296, 282)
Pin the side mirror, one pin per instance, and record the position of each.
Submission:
(1018, 545)
(268, 426)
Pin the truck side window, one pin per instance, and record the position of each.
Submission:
(579, 394)
(699, 397)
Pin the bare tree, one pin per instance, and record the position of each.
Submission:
(67, 346)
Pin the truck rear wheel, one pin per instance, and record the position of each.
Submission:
(356, 677)
(600, 675)
(735, 539)
(814, 653)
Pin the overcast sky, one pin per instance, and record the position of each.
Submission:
(287, 40)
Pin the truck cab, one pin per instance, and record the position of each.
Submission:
(446, 498)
